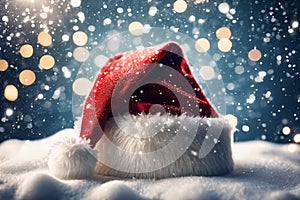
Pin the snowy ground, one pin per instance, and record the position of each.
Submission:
(263, 171)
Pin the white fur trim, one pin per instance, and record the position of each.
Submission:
(72, 158)
(193, 161)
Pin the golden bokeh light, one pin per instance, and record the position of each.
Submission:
(136, 28)
(180, 6)
(11, 93)
(223, 32)
(47, 62)
(81, 54)
(207, 73)
(82, 86)
(202, 45)
(286, 130)
(27, 77)
(3, 65)
(232, 119)
(44, 39)
(80, 38)
(297, 138)
(254, 55)
(26, 51)
(224, 45)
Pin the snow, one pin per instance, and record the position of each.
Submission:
(263, 171)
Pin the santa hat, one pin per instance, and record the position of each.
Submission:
(132, 85)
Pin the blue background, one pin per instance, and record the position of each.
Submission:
(255, 24)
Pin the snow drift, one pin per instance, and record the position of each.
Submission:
(263, 171)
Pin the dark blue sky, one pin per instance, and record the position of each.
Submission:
(263, 95)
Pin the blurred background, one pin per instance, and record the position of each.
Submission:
(254, 43)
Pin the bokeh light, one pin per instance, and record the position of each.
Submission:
(199, 1)
(100, 60)
(224, 45)
(223, 32)
(152, 11)
(239, 69)
(82, 86)
(9, 112)
(223, 8)
(207, 73)
(202, 45)
(47, 62)
(297, 138)
(254, 55)
(11, 93)
(75, 3)
(81, 54)
(3, 65)
(136, 28)
(286, 130)
(45, 39)
(295, 24)
(27, 77)
(65, 37)
(180, 6)
(26, 51)
(80, 38)
(245, 128)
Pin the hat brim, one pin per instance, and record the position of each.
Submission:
(208, 155)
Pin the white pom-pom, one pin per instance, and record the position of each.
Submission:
(72, 158)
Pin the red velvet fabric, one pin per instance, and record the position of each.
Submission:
(137, 69)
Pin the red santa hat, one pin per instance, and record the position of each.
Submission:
(132, 68)
(132, 83)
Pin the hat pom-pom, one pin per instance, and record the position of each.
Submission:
(72, 158)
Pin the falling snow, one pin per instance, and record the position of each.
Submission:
(253, 46)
